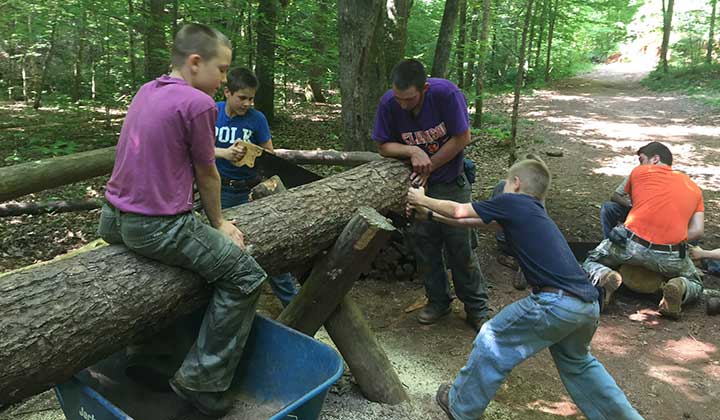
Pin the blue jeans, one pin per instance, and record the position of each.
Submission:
(564, 324)
(611, 215)
(283, 285)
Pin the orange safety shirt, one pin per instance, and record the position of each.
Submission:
(663, 201)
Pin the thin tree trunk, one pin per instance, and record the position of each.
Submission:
(444, 42)
(319, 45)
(251, 41)
(460, 48)
(519, 80)
(156, 62)
(482, 52)
(131, 44)
(473, 51)
(551, 32)
(711, 34)
(266, 45)
(24, 73)
(44, 69)
(398, 12)
(667, 29)
(543, 21)
(77, 76)
(361, 84)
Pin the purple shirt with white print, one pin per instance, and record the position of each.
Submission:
(444, 114)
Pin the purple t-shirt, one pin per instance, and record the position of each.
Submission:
(444, 114)
(169, 127)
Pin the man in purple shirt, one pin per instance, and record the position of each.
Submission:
(166, 142)
(426, 121)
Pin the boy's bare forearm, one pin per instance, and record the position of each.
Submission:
(467, 222)
(208, 183)
(447, 208)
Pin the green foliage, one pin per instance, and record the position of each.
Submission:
(700, 82)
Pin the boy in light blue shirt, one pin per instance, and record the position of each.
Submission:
(237, 123)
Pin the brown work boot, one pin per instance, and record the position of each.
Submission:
(211, 404)
(673, 293)
(443, 399)
(432, 313)
(611, 281)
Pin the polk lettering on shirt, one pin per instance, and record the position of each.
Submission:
(425, 137)
(228, 134)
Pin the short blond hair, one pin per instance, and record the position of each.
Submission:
(534, 177)
(195, 38)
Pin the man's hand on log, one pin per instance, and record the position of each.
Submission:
(418, 180)
(233, 232)
(421, 162)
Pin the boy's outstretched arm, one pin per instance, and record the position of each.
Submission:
(446, 211)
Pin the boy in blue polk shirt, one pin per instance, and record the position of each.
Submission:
(561, 313)
(238, 122)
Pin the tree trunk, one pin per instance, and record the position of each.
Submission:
(43, 207)
(265, 70)
(667, 29)
(473, 51)
(327, 157)
(66, 314)
(319, 45)
(396, 20)
(131, 44)
(482, 52)
(26, 178)
(156, 56)
(551, 32)
(519, 80)
(361, 81)
(543, 20)
(444, 42)
(460, 48)
(76, 92)
(44, 69)
(711, 34)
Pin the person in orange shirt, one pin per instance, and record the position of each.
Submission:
(667, 212)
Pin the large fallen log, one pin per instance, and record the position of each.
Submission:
(31, 177)
(44, 207)
(61, 316)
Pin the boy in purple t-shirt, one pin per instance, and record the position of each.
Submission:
(426, 120)
(166, 142)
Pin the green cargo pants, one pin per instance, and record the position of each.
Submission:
(182, 240)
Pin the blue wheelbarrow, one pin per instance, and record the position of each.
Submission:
(283, 375)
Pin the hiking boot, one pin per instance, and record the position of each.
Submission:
(443, 399)
(610, 282)
(508, 261)
(209, 403)
(431, 314)
(673, 293)
(476, 321)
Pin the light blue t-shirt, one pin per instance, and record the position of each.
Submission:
(251, 127)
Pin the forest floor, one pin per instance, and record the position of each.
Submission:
(670, 370)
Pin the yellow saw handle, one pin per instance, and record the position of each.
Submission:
(252, 151)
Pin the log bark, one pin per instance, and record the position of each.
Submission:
(365, 357)
(43, 207)
(64, 315)
(333, 276)
(327, 157)
(26, 178)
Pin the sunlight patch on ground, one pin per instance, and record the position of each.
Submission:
(565, 408)
(613, 340)
(676, 377)
(646, 316)
(687, 349)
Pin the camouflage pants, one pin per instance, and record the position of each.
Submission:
(609, 256)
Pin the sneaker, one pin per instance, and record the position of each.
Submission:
(431, 314)
(611, 281)
(673, 292)
(443, 399)
(518, 281)
(209, 403)
(508, 261)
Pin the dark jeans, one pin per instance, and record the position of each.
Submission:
(431, 238)
(184, 241)
(611, 215)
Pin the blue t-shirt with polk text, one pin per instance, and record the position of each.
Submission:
(444, 114)
(542, 251)
(251, 127)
